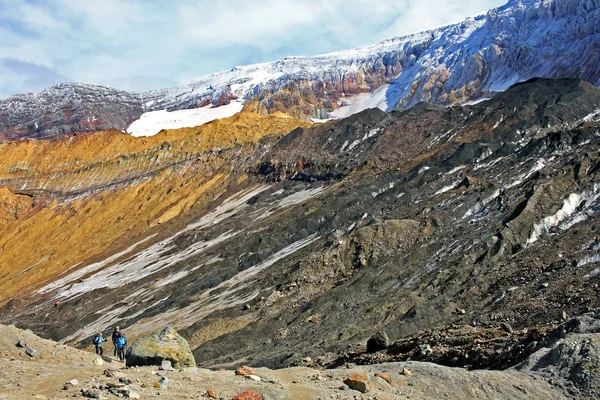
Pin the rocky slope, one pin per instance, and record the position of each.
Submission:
(57, 371)
(263, 247)
(457, 63)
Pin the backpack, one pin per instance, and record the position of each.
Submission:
(97, 340)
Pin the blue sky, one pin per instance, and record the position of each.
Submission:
(149, 44)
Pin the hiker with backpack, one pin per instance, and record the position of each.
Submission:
(98, 340)
(121, 345)
(115, 335)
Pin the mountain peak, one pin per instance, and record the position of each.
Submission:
(456, 63)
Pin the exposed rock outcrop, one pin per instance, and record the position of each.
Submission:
(157, 347)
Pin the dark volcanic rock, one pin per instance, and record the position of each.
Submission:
(380, 341)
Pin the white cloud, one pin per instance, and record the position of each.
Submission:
(143, 44)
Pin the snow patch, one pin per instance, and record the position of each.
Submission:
(360, 102)
(152, 122)
(481, 205)
(448, 188)
(90, 268)
(570, 204)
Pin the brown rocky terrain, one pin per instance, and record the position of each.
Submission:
(46, 375)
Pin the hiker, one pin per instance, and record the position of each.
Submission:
(121, 345)
(98, 340)
(115, 335)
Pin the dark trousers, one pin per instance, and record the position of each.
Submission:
(99, 350)
(116, 349)
(121, 353)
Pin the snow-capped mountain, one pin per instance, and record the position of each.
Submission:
(67, 108)
(456, 63)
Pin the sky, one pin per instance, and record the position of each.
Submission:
(139, 45)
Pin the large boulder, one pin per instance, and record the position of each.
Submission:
(157, 347)
(380, 341)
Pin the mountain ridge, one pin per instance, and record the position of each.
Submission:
(456, 63)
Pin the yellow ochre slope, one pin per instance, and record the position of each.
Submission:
(95, 195)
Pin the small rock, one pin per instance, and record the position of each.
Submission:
(358, 382)
(314, 319)
(30, 352)
(22, 344)
(253, 377)
(163, 382)
(57, 303)
(385, 377)
(307, 360)
(297, 381)
(564, 315)
(406, 372)
(90, 394)
(461, 311)
(544, 285)
(107, 359)
(248, 395)
(98, 361)
(130, 393)
(125, 381)
(67, 386)
(426, 349)
(211, 394)
(74, 382)
(246, 307)
(344, 387)
(379, 341)
(113, 374)
(245, 370)
(506, 327)
(166, 366)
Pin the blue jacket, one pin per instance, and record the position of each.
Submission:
(98, 340)
(121, 342)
